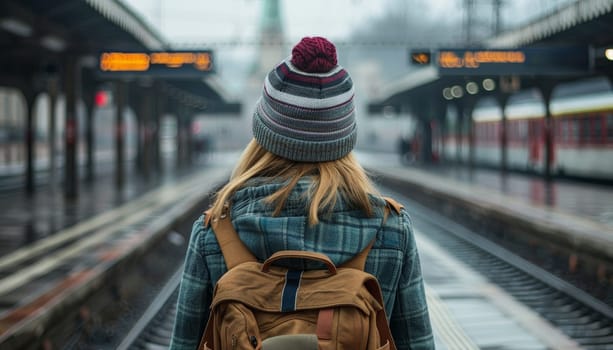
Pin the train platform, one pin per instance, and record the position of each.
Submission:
(27, 219)
(468, 312)
(93, 268)
(582, 201)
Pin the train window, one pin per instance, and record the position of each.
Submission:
(497, 131)
(610, 127)
(585, 129)
(597, 129)
(574, 129)
(564, 125)
(510, 131)
(523, 130)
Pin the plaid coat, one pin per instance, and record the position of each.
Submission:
(393, 258)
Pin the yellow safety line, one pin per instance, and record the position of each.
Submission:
(450, 332)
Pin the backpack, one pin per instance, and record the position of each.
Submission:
(261, 306)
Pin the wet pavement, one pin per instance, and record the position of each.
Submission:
(587, 200)
(593, 201)
(25, 219)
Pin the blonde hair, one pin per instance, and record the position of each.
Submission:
(344, 177)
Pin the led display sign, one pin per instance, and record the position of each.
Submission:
(522, 61)
(420, 57)
(158, 64)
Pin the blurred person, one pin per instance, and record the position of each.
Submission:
(298, 186)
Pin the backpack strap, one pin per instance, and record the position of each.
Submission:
(235, 252)
(393, 204)
(359, 261)
(233, 249)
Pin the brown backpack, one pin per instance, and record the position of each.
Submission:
(262, 306)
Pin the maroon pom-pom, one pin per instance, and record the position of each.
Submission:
(314, 55)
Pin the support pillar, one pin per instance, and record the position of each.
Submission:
(189, 145)
(146, 131)
(89, 134)
(140, 127)
(459, 131)
(426, 150)
(546, 89)
(442, 120)
(120, 100)
(70, 133)
(181, 135)
(503, 99)
(159, 110)
(30, 141)
(437, 113)
(53, 90)
(470, 125)
(424, 153)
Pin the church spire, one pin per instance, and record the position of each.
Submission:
(271, 49)
(270, 22)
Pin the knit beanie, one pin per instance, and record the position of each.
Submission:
(306, 110)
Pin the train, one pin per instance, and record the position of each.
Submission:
(581, 127)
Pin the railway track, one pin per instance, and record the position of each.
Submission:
(154, 329)
(579, 315)
(83, 286)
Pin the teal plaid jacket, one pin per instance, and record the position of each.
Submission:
(393, 259)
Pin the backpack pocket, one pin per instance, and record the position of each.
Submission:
(240, 330)
(275, 323)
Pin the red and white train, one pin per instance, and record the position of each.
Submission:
(582, 133)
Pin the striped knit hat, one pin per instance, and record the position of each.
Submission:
(306, 111)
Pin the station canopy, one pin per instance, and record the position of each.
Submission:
(37, 37)
(565, 45)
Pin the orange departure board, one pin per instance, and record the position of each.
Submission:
(164, 64)
(546, 60)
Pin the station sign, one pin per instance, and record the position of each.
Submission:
(420, 57)
(560, 60)
(166, 64)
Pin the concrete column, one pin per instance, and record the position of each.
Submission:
(437, 112)
(146, 131)
(89, 133)
(546, 89)
(442, 119)
(181, 116)
(189, 145)
(53, 91)
(140, 127)
(30, 141)
(159, 110)
(503, 99)
(120, 101)
(426, 149)
(70, 79)
(459, 131)
(470, 126)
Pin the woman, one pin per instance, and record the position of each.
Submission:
(297, 186)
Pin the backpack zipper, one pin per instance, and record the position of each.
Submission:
(254, 341)
(234, 341)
